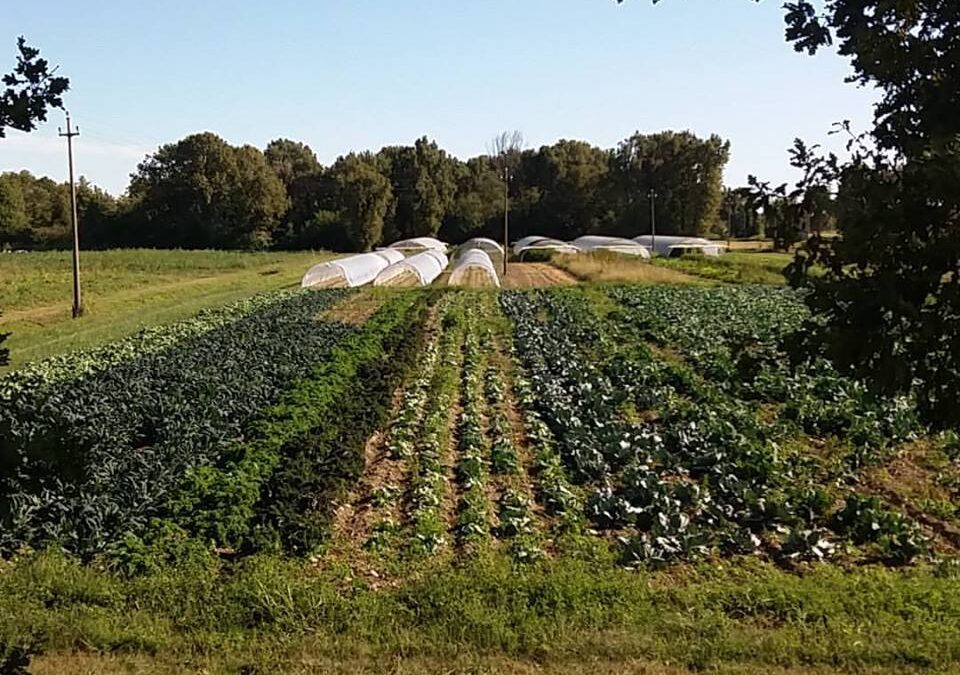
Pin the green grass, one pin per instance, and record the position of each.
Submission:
(272, 615)
(126, 290)
(733, 267)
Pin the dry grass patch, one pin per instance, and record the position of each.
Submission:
(614, 267)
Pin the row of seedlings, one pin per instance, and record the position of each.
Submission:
(559, 497)
(517, 522)
(473, 471)
(403, 432)
(429, 465)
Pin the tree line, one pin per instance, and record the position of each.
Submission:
(202, 192)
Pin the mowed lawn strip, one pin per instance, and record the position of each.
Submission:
(125, 291)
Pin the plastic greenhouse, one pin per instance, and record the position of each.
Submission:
(671, 247)
(417, 270)
(520, 248)
(523, 242)
(474, 268)
(354, 270)
(419, 244)
(390, 255)
(593, 243)
(483, 243)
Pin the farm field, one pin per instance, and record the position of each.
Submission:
(615, 478)
(126, 290)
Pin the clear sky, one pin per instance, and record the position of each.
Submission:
(346, 75)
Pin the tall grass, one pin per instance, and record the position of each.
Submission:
(603, 266)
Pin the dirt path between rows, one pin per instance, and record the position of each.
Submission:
(536, 275)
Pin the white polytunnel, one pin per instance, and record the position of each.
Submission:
(544, 244)
(419, 244)
(354, 270)
(671, 246)
(593, 243)
(417, 270)
(524, 242)
(483, 243)
(390, 255)
(475, 269)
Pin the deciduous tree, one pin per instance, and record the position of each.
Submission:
(685, 171)
(887, 305)
(30, 91)
(201, 192)
(363, 198)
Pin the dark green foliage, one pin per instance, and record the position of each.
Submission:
(573, 185)
(323, 461)
(423, 181)
(202, 192)
(34, 212)
(31, 90)
(688, 452)
(478, 203)
(92, 459)
(362, 199)
(738, 214)
(291, 161)
(866, 520)
(887, 307)
(685, 171)
(4, 352)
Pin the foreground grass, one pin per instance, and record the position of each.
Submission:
(612, 267)
(272, 615)
(126, 290)
(733, 267)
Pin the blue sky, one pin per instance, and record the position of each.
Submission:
(346, 75)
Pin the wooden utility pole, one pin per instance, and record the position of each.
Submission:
(506, 218)
(77, 304)
(653, 221)
(505, 152)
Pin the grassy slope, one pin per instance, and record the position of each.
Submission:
(125, 290)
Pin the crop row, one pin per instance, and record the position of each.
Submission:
(473, 470)
(515, 507)
(91, 460)
(429, 463)
(403, 431)
(43, 374)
